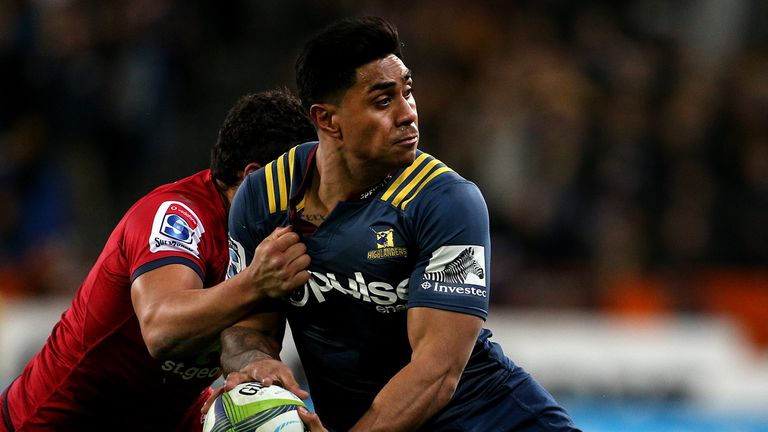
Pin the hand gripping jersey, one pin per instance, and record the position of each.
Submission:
(94, 372)
(420, 238)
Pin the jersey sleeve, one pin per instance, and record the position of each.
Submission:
(248, 226)
(162, 231)
(452, 231)
(245, 229)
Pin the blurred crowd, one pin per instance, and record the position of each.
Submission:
(622, 147)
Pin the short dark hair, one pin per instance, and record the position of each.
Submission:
(328, 62)
(259, 128)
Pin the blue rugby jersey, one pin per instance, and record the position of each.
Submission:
(420, 238)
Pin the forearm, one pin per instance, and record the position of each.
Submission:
(442, 342)
(410, 398)
(250, 352)
(178, 317)
(241, 346)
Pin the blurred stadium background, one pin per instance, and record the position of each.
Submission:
(622, 148)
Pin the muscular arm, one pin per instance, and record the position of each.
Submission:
(257, 338)
(250, 350)
(442, 342)
(178, 317)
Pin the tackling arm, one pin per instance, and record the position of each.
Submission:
(177, 317)
(442, 342)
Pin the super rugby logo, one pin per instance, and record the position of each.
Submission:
(175, 228)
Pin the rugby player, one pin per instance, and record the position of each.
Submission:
(139, 346)
(389, 326)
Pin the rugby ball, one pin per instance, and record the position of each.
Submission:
(252, 407)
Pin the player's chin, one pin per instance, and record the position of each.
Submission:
(402, 161)
(405, 153)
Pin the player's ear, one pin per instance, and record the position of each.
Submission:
(324, 118)
(251, 167)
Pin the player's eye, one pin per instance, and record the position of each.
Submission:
(383, 101)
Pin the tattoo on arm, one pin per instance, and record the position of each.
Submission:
(241, 345)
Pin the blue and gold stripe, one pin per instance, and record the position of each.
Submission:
(413, 179)
(279, 175)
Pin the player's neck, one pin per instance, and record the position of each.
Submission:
(337, 178)
(315, 210)
(227, 194)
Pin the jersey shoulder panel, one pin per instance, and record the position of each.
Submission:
(263, 200)
(281, 178)
(182, 220)
(425, 173)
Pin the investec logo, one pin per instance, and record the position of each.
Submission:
(386, 297)
(457, 269)
(452, 289)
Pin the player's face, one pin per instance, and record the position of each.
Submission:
(378, 116)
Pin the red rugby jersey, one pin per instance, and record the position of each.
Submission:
(94, 371)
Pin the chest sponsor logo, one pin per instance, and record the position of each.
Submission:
(384, 297)
(176, 228)
(187, 372)
(385, 245)
(205, 366)
(457, 270)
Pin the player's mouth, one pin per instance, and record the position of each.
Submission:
(408, 141)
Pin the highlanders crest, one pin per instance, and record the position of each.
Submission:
(386, 247)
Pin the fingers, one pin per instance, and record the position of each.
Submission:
(297, 280)
(269, 372)
(235, 378)
(296, 257)
(296, 260)
(279, 241)
(279, 231)
(289, 383)
(311, 420)
(283, 240)
(280, 263)
(283, 251)
(295, 271)
(211, 399)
